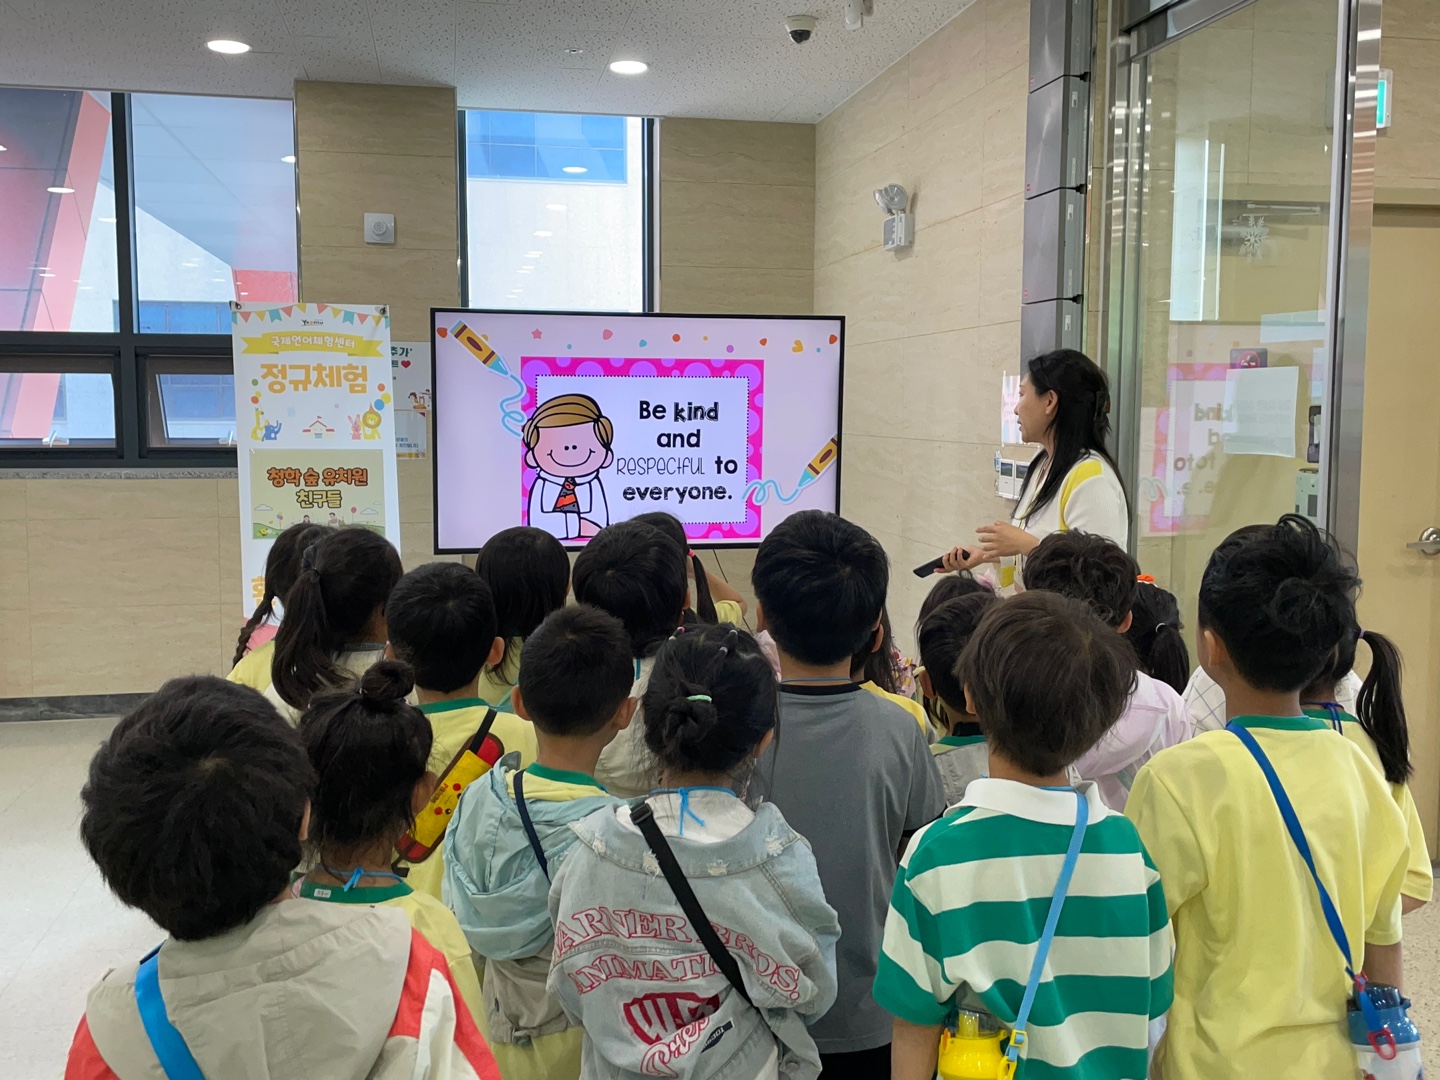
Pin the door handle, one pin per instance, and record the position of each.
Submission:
(1429, 542)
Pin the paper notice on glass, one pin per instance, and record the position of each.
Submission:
(1259, 415)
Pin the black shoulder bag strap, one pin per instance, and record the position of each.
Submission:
(529, 825)
(644, 819)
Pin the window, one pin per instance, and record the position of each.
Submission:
(99, 366)
(557, 209)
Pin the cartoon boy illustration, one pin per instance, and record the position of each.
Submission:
(567, 442)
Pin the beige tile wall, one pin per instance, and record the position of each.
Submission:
(1407, 154)
(929, 331)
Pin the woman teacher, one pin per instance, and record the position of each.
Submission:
(1072, 483)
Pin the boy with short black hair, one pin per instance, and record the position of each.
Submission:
(1046, 679)
(511, 830)
(960, 754)
(194, 811)
(852, 772)
(1098, 571)
(441, 621)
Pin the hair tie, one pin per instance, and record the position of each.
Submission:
(1160, 626)
(1146, 579)
(307, 560)
(701, 697)
(1359, 633)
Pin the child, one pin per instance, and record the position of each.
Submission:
(442, 623)
(575, 681)
(195, 811)
(852, 773)
(529, 577)
(334, 624)
(255, 649)
(1091, 568)
(1260, 986)
(946, 588)
(1047, 679)
(730, 605)
(876, 666)
(623, 940)
(1381, 732)
(961, 755)
(370, 751)
(1155, 634)
(636, 573)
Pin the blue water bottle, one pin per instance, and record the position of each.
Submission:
(1388, 1046)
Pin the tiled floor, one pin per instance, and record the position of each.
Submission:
(60, 928)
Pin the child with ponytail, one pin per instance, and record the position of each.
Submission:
(370, 750)
(255, 650)
(1155, 634)
(739, 884)
(716, 600)
(1381, 732)
(529, 577)
(334, 624)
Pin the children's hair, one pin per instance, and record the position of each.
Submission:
(193, 806)
(1048, 678)
(1081, 424)
(670, 525)
(1084, 566)
(711, 698)
(568, 410)
(870, 664)
(282, 567)
(946, 588)
(369, 749)
(942, 638)
(529, 574)
(1379, 706)
(442, 623)
(1155, 635)
(345, 577)
(636, 573)
(821, 583)
(575, 671)
(1281, 598)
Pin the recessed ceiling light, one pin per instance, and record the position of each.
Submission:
(107, 221)
(288, 159)
(3, 149)
(527, 269)
(555, 205)
(629, 67)
(61, 190)
(47, 275)
(533, 254)
(575, 169)
(522, 271)
(543, 232)
(227, 46)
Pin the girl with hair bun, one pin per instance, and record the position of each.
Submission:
(711, 709)
(370, 750)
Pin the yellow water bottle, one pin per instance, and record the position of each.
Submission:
(974, 1051)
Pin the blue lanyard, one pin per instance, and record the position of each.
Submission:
(685, 809)
(356, 874)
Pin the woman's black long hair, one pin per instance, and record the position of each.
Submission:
(282, 567)
(1081, 424)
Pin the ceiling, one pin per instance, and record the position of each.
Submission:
(709, 58)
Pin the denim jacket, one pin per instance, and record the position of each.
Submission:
(629, 968)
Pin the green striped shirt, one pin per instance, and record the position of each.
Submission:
(969, 907)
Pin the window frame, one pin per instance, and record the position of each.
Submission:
(649, 211)
(126, 348)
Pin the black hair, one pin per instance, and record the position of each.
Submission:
(1155, 635)
(636, 573)
(1379, 707)
(1081, 424)
(942, 637)
(345, 577)
(193, 806)
(946, 588)
(870, 664)
(1086, 566)
(1281, 598)
(369, 749)
(529, 574)
(711, 698)
(1048, 677)
(670, 525)
(575, 671)
(441, 622)
(282, 567)
(821, 583)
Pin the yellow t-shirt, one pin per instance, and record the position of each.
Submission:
(454, 722)
(253, 670)
(729, 611)
(1260, 986)
(910, 705)
(497, 682)
(1420, 876)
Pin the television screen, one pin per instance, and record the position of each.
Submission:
(569, 422)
